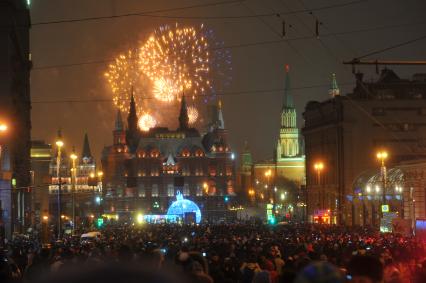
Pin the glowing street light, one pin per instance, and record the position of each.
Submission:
(73, 157)
(3, 127)
(268, 173)
(319, 167)
(382, 156)
(206, 187)
(368, 189)
(59, 143)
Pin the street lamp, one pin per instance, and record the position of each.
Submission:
(319, 167)
(73, 157)
(100, 175)
(382, 156)
(3, 127)
(59, 144)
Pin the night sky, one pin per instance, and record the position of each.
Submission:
(253, 100)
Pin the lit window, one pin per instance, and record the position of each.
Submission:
(141, 190)
(170, 190)
(154, 192)
(199, 192)
(186, 191)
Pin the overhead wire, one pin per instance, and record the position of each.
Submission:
(392, 47)
(153, 12)
(249, 44)
(234, 93)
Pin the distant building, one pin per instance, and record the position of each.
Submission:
(345, 132)
(15, 106)
(87, 190)
(144, 170)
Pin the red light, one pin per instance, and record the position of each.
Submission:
(287, 68)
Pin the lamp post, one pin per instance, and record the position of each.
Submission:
(382, 156)
(319, 166)
(59, 144)
(205, 197)
(73, 157)
(3, 129)
(268, 174)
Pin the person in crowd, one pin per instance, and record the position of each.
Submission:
(237, 252)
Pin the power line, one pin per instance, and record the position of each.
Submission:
(150, 13)
(392, 47)
(146, 13)
(234, 93)
(249, 44)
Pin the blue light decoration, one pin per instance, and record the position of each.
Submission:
(182, 206)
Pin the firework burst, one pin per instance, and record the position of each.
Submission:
(180, 55)
(192, 115)
(173, 60)
(164, 90)
(146, 122)
(123, 76)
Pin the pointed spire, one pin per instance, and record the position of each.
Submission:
(132, 118)
(118, 122)
(334, 88)
(59, 136)
(86, 148)
(221, 121)
(288, 99)
(183, 115)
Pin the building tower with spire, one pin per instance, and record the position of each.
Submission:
(132, 134)
(334, 88)
(86, 154)
(87, 163)
(289, 141)
(119, 133)
(288, 163)
(220, 120)
(183, 115)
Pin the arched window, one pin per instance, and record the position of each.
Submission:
(155, 153)
(199, 153)
(185, 153)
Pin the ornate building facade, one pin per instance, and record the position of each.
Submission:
(143, 170)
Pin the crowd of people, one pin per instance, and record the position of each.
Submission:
(218, 253)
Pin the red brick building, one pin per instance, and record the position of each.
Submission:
(144, 170)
